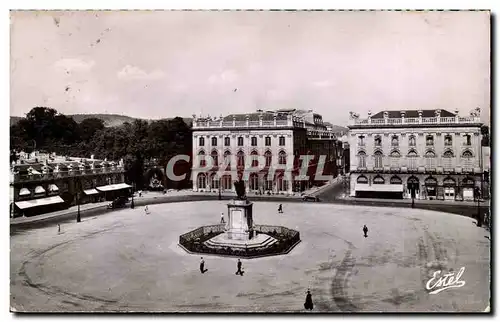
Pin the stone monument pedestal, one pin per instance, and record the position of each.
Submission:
(240, 223)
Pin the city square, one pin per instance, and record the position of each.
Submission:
(129, 261)
(250, 161)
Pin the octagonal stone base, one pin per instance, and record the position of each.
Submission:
(223, 241)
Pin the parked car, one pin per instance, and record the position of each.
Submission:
(311, 198)
(119, 202)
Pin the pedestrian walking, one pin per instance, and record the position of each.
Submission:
(280, 209)
(239, 271)
(222, 218)
(202, 266)
(308, 304)
(146, 210)
(365, 231)
(58, 228)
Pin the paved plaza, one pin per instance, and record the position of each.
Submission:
(129, 261)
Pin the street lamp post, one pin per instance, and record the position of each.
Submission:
(220, 196)
(78, 217)
(479, 218)
(132, 202)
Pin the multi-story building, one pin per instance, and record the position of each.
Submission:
(437, 150)
(42, 183)
(273, 135)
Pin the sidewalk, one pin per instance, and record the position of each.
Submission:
(485, 203)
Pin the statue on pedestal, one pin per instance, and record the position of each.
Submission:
(239, 186)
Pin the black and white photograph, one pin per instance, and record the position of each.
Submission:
(250, 161)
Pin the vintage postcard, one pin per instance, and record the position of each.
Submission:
(250, 161)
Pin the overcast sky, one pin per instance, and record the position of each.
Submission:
(165, 64)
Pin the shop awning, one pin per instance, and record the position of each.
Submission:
(90, 192)
(39, 189)
(39, 202)
(112, 187)
(24, 192)
(53, 187)
(379, 187)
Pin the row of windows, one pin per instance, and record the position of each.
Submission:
(253, 182)
(240, 158)
(412, 155)
(253, 141)
(429, 140)
(429, 181)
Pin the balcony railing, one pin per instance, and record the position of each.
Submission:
(416, 120)
(200, 124)
(65, 174)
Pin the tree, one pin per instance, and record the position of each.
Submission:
(89, 127)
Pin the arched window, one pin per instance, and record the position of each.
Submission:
(430, 159)
(362, 179)
(413, 182)
(214, 181)
(254, 157)
(449, 181)
(448, 154)
(201, 156)
(467, 159)
(214, 141)
(268, 155)
(282, 157)
(396, 180)
(378, 159)
(431, 186)
(226, 182)
(240, 156)
(201, 141)
(227, 158)
(253, 183)
(282, 183)
(448, 159)
(467, 154)
(227, 141)
(395, 156)
(215, 158)
(202, 181)
(430, 154)
(412, 160)
(378, 180)
(362, 159)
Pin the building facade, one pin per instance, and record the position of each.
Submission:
(438, 151)
(274, 136)
(42, 183)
